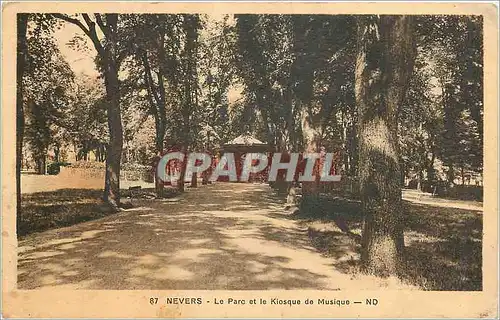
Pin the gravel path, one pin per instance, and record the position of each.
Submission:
(226, 236)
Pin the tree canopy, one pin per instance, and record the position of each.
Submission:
(298, 82)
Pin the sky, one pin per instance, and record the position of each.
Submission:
(82, 61)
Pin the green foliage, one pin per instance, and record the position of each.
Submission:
(290, 64)
(45, 85)
(217, 74)
(471, 193)
(443, 115)
(85, 123)
(178, 72)
(162, 55)
(55, 167)
(296, 67)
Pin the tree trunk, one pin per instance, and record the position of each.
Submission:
(103, 153)
(310, 189)
(57, 153)
(419, 181)
(462, 174)
(384, 64)
(204, 177)
(160, 134)
(114, 152)
(156, 98)
(182, 176)
(107, 51)
(159, 187)
(451, 174)
(431, 175)
(194, 180)
(113, 158)
(353, 150)
(41, 164)
(22, 48)
(264, 112)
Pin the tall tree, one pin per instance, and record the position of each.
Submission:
(109, 63)
(188, 86)
(298, 71)
(385, 59)
(146, 35)
(217, 71)
(85, 122)
(22, 48)
(46, 86)
(419, 123)
(451, 47)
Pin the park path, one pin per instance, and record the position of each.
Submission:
(226, 236)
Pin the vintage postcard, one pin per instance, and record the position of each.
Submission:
(249, 160)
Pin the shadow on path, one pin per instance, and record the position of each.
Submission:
(223, 236)
(233, 236)
(443, 244)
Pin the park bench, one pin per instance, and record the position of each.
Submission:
(133, 190)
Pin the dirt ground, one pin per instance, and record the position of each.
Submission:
(224, 236)
(232, 236)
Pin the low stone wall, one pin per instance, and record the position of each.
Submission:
(90, 173)
(80, 173)
(31, 183)
(78, 178)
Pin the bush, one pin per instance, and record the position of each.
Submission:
(136, 171)
(131, 166)
(474, 193)
(129, 171)
(89, 165)
(55, 167)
